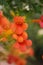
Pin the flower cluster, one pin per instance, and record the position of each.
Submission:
(39, 21)
(16, 60)
(17, 31)
(4, 27)
(22, 43)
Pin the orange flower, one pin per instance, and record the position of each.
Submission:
(10, 58)
(4, 22)
(20, 46)
(23, 46)
(24, 35)
(14, 36)
(15, 45)
(36, 20)
(25, 26)
(21, 62)
(39, 21)
(19, 30)
(16, 60)
(20, 39)
(28, 43)
(30, 52)
(19, 19)
(12, 26)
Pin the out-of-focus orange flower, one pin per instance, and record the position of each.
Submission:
(36, 20)
(28, 43)
(30, 52)
(39, 21)
(5, 22)
(16, 60)
(21, 62)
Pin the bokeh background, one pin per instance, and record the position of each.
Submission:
(31, 9)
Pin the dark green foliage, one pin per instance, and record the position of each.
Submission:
(35, 7)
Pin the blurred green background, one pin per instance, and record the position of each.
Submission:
(29, 8)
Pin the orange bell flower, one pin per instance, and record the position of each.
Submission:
(4, 22)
